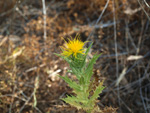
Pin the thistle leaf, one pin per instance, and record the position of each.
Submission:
(75, 72)
(63, 57)
(84, 58)
(82, 81)
(89, 69)
(97, 91)
(72, 84)
(88, 49)
(72, 100)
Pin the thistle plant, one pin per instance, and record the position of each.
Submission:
(84, 89)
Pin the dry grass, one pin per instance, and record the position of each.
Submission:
(28, 67)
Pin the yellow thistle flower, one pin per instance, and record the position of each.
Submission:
(73, 47)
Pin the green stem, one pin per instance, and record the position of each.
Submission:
(89, 111)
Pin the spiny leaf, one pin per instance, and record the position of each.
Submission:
(72, 84)
(75, 71)
(72, 101)
(97, 91)
(88, 49)
(82, 81)
(88, 71)
(84, 58)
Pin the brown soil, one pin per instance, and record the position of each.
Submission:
(29, 68)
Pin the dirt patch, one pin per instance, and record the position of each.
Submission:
(29, 68)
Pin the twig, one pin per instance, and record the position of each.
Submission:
(144, 10)
(140, 81)
(27, 101)
(135, 82)
(146, 4)
(13, 96)
(44, 18)
(128, 36)
(34, 68)
(116, 51)
(129, 109)
(122, 29)
(140, 39)
(100, 16)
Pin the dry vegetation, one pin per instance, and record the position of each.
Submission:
(28, 67)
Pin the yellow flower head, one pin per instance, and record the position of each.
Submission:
(73, 47)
